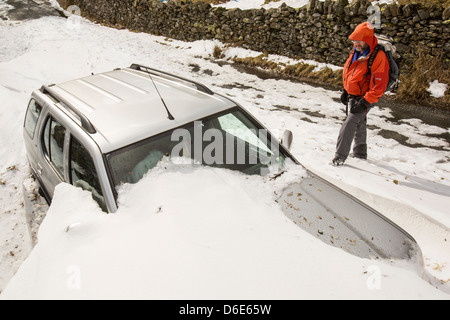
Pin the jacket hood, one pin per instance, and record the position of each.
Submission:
(364, 32)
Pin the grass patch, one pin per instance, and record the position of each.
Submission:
(217, 52)
(301, 71)
(415, 79)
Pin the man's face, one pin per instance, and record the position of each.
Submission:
(360, 46)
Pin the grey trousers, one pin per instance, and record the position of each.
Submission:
(354, 129)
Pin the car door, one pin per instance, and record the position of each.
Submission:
(83, 172)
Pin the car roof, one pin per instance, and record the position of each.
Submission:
(126, 105)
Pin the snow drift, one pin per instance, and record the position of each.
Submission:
(187, 232)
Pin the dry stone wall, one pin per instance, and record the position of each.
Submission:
(317, 31)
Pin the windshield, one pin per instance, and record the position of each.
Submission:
(228, 140)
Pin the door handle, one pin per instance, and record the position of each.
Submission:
(39, 170)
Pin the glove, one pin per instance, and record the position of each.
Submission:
(360, 106)
(344, 97)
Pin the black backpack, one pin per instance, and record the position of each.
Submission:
(387, 45)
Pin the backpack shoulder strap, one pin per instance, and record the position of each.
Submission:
(372, 57)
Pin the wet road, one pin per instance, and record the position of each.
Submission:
(430, 116)
(20, 10)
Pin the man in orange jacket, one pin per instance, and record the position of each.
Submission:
(361, 91)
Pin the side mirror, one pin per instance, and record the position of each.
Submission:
(286, 139)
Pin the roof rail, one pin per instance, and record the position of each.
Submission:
(85, 122)
(199, 86)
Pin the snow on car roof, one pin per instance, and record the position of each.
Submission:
(125, 105)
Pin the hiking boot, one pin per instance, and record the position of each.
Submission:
(338, 161)
(359, 156)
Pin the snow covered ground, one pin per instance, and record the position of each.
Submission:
(185, 232)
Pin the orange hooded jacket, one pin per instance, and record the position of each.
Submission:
(355, 75)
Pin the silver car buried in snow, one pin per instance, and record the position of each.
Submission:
(111, 128)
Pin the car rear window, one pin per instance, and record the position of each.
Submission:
(32, 116)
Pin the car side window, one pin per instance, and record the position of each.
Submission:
(83, 173)
(232, 124)
(32, 116)
(54, 134)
